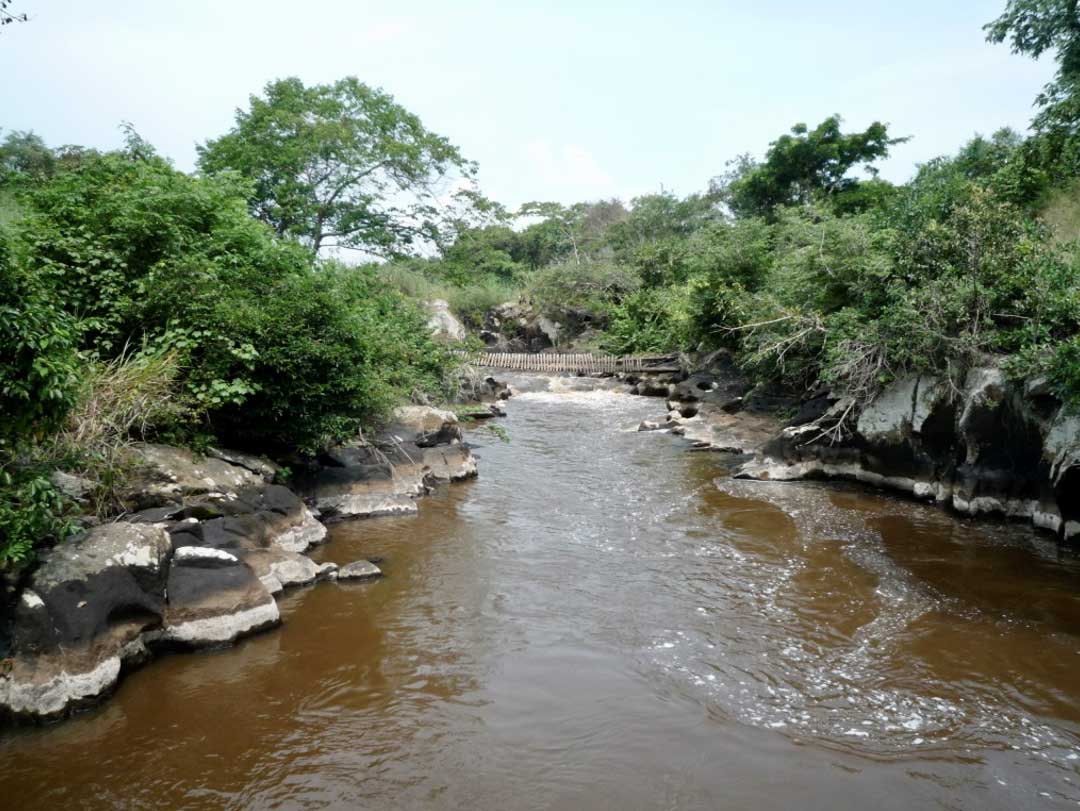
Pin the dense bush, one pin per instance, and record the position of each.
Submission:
(591, 287)
(273, 347)
(38, 365)
(38, 385)
(334, 350)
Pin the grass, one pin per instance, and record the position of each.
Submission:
(121, 401)
(1062, 213)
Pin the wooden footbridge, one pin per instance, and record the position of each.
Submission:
(582, 363)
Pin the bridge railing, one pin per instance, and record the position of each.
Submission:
(588, 363)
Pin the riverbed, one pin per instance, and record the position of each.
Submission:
(605, 619)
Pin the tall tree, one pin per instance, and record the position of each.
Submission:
(805, 165)
(339, 165)
(25, 155)
(1034, 27)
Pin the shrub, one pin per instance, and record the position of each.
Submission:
(38, 385)
(335, 349)
(650, 320)
(270, 345)
(590, 286)
(32, 511)
(38, 365)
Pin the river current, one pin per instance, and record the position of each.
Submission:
(606, 620)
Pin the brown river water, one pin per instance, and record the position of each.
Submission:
(605, 620)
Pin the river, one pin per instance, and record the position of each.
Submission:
(606, 620)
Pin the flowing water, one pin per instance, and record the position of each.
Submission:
(605, 620)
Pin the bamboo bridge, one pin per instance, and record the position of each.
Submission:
(582, 363)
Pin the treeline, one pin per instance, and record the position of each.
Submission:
(139, 302)
(814, 271)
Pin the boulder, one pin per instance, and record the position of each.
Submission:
(258, 465)
(114, 571)
(653, 386)
(82, 615)
(214, 606)
(442, 323)
(76, 487)
(425, 426)
(167, 475)
(450, 464)
(359, 570)
(422, 447)
(651, 425)
(278, 569)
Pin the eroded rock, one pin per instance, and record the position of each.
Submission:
(359, 570)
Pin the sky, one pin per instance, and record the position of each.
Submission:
(555, 100)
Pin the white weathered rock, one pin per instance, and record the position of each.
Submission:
(169, 474)
(442, 322)
(327, 571)
(300, 537)
(423, 419)
(204, 555)
(76, 487)
(272, 584)
(366, 505)
(1061, 448)
(37, 695)
(359, 570)
(222, 628)
(259, 465)
(451, 463)
(930, 395)
(296, 570)
(890, 414)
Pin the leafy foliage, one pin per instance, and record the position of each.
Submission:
(806, 165)
(340, 164)
(38, 368)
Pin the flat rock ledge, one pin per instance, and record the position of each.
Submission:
(988, 447)
(993, 448)
(215, 540)
(422, 449)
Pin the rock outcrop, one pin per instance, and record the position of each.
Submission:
(989, 447)
(442, 323)
(422, 448)
(199, 564)
(516, 326)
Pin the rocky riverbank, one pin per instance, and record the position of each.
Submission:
(215, 539)
(987, 447)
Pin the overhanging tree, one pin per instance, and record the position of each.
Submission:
(339, 165)
(1034, 27)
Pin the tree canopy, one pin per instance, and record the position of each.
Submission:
(1034, 27)
(339, 164)
(806, 164)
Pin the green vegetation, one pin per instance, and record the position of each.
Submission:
(140, 302)
(814, 271)
(329, 165)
